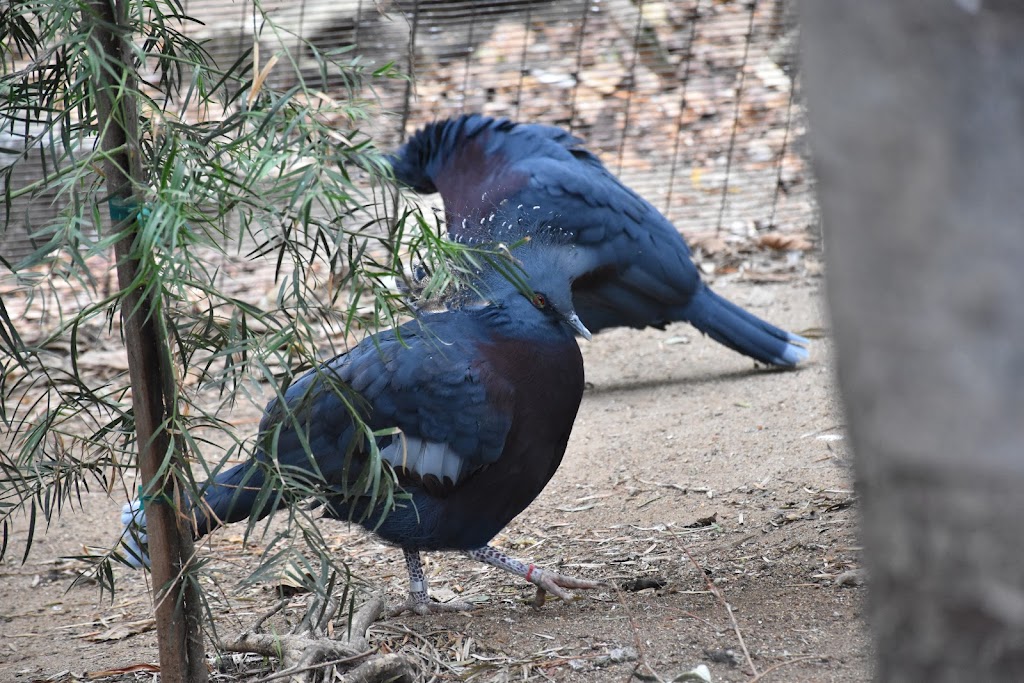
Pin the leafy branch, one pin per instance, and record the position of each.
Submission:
(233, 170)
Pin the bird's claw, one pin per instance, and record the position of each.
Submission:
(550, 581)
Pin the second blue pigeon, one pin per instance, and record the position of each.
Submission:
(629, 265)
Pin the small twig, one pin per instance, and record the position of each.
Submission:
(258, 626)
(426, 650)
(714, 590)
(635, 632)
(779, 665)
(739, 636)
(540, 671)
(691, 615)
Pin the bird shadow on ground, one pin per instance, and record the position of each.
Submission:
(643, 384)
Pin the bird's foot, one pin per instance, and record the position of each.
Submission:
(550, 581)
(424, 606)
(418, 601)
(546, 580)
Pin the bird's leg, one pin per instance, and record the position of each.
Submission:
(546, 580)
(417, 579)
(418, 600)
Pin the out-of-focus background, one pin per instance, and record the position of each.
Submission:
(695, 104)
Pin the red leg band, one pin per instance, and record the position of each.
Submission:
(529, 571)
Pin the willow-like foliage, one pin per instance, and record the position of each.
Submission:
(243, 165)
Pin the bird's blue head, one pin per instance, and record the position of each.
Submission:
(532, 271)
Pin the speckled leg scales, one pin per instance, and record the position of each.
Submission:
(546, 580)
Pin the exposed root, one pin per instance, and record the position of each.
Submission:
(425, 608)
(314, 650)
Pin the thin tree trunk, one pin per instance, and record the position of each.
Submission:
(916, 114)
(170, 541)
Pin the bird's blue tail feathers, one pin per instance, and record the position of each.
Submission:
(741, 331)
(231, 496)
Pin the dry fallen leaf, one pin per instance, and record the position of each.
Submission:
(121, 631)
(703, 521)
(292, 580)
(707, 242)
(785, 242)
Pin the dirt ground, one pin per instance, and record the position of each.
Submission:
(687, 465)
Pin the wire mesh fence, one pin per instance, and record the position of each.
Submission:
(695, 104)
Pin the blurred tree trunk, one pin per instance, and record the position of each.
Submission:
(917, 123)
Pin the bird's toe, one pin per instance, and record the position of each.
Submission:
(574, 582)
(548, 581)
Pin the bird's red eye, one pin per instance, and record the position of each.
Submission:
(539, 301)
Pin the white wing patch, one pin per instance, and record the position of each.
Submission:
(424, 458)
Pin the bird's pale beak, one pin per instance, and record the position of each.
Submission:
(577, 324)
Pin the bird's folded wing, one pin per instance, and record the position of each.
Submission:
(453, 411)
(611, 227)
(452, 415)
